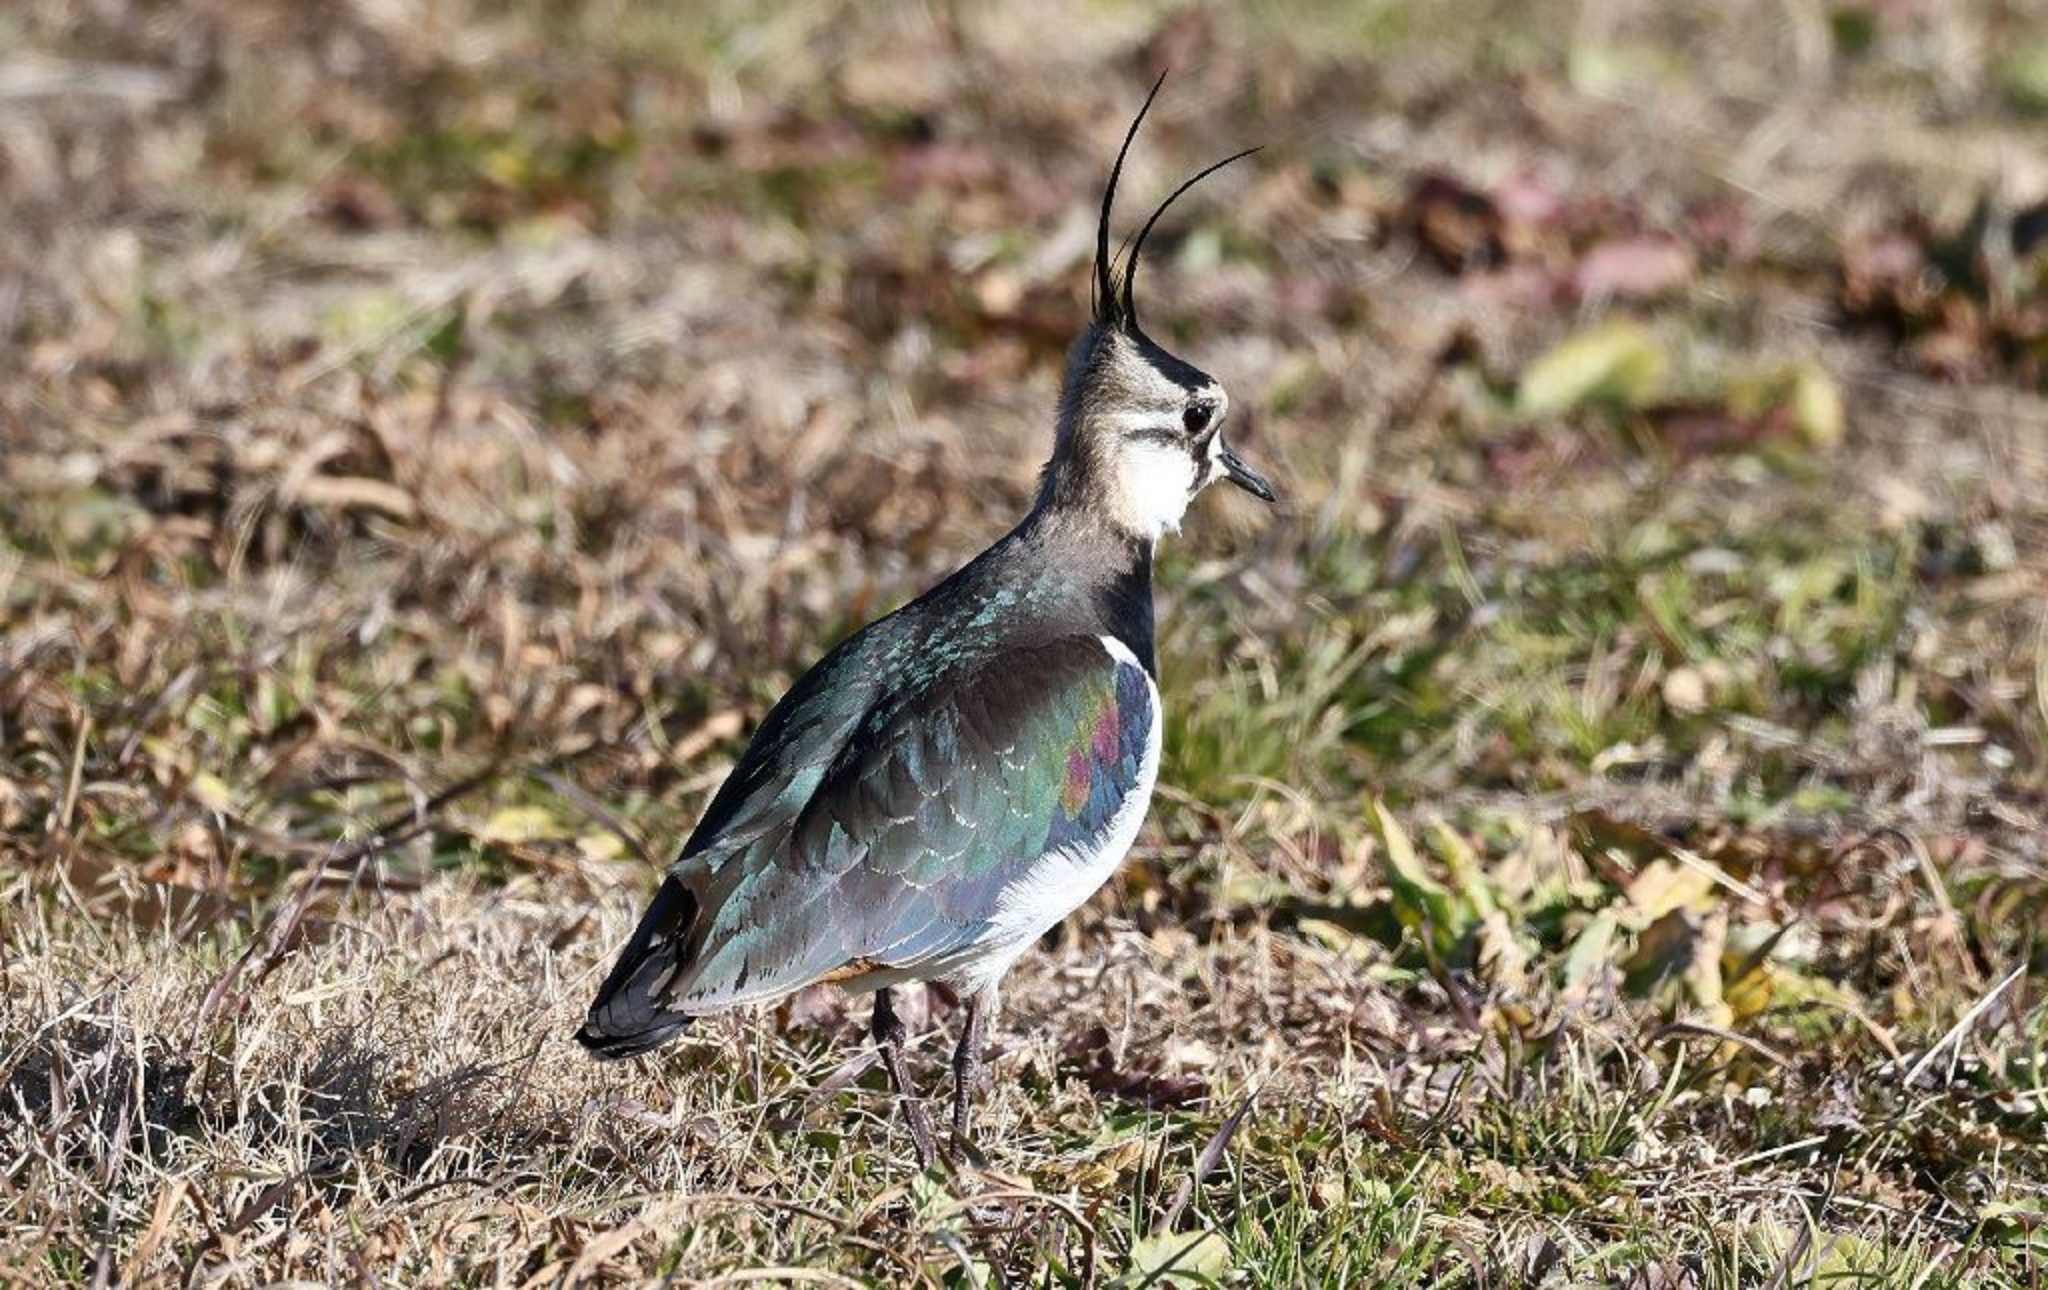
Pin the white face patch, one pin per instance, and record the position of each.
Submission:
(1154, 484)
(1149, 462)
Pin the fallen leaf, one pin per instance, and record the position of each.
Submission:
(1722, 228)
(1685, 691)
(343, 492)
(213, 792)
(1799, 396)
(1420, 901)
(1190, 1053)
(1617, 363)
(1633, 267)
(1089, 1056)
(1816, 405)
(1886, 276)
(1178, 1259)
(1528, 201)
(1463, 863)
(1682, 949)
(1662, 886)
(1519, 286)
(1587, 960)
(1502, 959)
(1457, 224)
(1670, 1275)
(815, 1007)
(515, 824)
(359, 204)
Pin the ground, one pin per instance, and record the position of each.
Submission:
(1601, 834)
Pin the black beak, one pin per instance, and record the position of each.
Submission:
(1245, 477)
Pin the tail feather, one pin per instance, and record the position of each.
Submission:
(627, 1018)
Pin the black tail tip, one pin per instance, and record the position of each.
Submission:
(628, 1017)
(610, 1045)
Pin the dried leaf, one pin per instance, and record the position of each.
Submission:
(213, 792)
(1633, 267)
(1670, 1275)
(1750, 994)
(1698, 429)
(1090, 1053)
(1683, 949)
(1502, 958)
(344, 491)
(1457, 224)
(1799, 396)
(1662, 886)
(1685, 691)
(1205, 1164)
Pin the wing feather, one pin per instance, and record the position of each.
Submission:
(931, 807)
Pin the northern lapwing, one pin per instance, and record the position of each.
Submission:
(954, 779)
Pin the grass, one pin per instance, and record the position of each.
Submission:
(1600, 833)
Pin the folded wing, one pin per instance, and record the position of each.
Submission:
(929, 811)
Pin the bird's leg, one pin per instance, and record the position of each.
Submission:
(981, 1007)
(887, 1028)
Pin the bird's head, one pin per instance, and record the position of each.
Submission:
(1140, 429)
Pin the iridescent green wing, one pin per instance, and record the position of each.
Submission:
(935, 806)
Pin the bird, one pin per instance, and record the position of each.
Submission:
(951, 781)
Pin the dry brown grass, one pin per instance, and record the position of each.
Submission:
(430, 436)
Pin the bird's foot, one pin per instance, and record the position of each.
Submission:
(964, 1152)
(920, 1133)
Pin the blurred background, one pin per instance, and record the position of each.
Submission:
(431, 434)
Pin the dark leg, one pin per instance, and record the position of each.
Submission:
(887, 1029)
(981, 1008)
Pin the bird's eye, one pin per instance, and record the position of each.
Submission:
(1196, 418)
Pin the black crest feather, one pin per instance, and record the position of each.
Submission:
(1120, 309)
(1129, 307)
(1108, 309)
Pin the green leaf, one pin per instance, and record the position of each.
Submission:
(2016, 1222)
(2022, 77)
(1463, 862)
(1589, 954)
(1816, 405)
(1178, 1259)
(1617, 363)
(1420, 901)
(1803, 392)
(213, 792)
(515, 824)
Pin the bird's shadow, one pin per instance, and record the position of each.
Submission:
(94, 1092)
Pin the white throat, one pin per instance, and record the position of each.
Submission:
(1151, 489)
